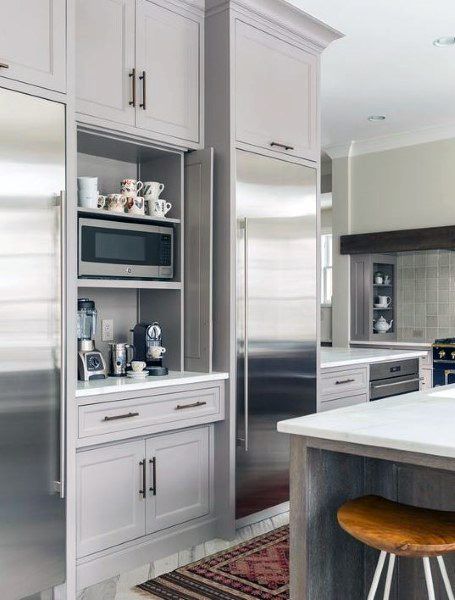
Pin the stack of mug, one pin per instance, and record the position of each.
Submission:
(135, 198)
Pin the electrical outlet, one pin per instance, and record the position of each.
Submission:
(107, 330)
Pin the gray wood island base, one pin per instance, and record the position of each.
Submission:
(402, 448)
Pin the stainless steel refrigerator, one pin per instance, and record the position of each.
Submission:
(32, 511)
(276, 320)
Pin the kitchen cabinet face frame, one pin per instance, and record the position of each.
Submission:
(133, 120)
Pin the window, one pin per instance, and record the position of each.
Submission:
(326, 264)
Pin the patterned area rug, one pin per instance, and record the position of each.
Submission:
(256, 569)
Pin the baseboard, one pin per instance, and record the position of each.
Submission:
(268, 513)
(92, 570)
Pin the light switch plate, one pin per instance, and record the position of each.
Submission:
(107, 330)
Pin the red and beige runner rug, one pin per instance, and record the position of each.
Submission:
(256, 569)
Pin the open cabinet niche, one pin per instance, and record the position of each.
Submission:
(182, 306)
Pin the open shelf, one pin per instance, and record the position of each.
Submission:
(101, 212)
(382, 308)
(386, 285)
(129, 284)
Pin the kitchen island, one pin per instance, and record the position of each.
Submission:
(402, 448)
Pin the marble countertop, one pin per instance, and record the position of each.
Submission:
(115, 385)
(344, 357)
(417, 422)
(427, 345)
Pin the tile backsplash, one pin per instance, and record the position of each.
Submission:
(425, 295)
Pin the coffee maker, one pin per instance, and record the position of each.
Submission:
(90, 362)
(148, 347)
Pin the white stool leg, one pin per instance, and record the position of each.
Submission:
(445, 578)
(377, 576)
(388, 581)
(428, 578)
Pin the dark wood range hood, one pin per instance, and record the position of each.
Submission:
(405, 240)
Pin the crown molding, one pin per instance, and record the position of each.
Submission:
(393, 141)
(283, 14)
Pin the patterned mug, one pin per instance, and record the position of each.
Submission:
(131, 187)
(116, 203)
(135, 205)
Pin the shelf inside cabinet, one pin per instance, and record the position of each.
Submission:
(129, 284)
(101, 212)
(382, 308)
(384, 285)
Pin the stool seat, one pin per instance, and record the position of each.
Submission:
(399, 528)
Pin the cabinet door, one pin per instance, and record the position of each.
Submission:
(198, 260)
(178, 478)
(168, 52)
(105, 59)
(33, 42)
(110, 502)
(276, 94)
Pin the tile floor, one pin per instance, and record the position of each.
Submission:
(122, 587)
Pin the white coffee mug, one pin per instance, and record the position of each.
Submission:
(116, 203)
(138, 365)
(153, 189)
(384, 301)
(157, 351)
(131, 187)
(159, 208)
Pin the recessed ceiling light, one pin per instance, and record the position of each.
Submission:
(445, 41)
(375, 118)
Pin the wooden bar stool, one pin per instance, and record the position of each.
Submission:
(400, 530)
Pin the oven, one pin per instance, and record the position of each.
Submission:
(444, 362)
(394, 378)
(123, 250)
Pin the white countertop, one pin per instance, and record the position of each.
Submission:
(343, 357)
(427, 345)
(115, 385)
(421, 422)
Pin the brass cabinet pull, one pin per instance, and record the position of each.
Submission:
(284, 146)
(144, 92)
(4, 66)
(152, 489)
(194, 405)
(143, 465)
(343, 381)
(132, 76)
(118, 417)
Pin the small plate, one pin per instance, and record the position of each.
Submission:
(137, 375)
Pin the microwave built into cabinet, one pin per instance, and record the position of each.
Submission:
(125, 250)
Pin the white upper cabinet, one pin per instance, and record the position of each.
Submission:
(276, 93)
(105, 59)
(179, 478)
(168, 51)
(110, 496)
(33, 42)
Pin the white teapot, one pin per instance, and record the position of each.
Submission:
(381, 325)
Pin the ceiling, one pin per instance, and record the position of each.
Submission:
(385, 65)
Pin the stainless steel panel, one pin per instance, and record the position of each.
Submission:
(396, 368)
(32, 176)
(276, 320)
(394, 386)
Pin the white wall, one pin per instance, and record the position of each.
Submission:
(403, 188)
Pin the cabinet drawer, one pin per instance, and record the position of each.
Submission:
(342, 402)
(156, 413)
(340, 383)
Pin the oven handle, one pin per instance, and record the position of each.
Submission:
(448, 372)
(383, 385)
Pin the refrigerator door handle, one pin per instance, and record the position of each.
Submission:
(245, 342)
(62, 232)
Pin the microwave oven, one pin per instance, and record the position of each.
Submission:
(115, 249)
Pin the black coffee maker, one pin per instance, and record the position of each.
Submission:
(148, 347)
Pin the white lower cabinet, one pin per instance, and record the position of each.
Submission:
(179, 477)
(130, 489)
(111, 509)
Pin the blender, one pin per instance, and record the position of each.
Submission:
(91, 364)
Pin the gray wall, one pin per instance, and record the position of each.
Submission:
(426, 295)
